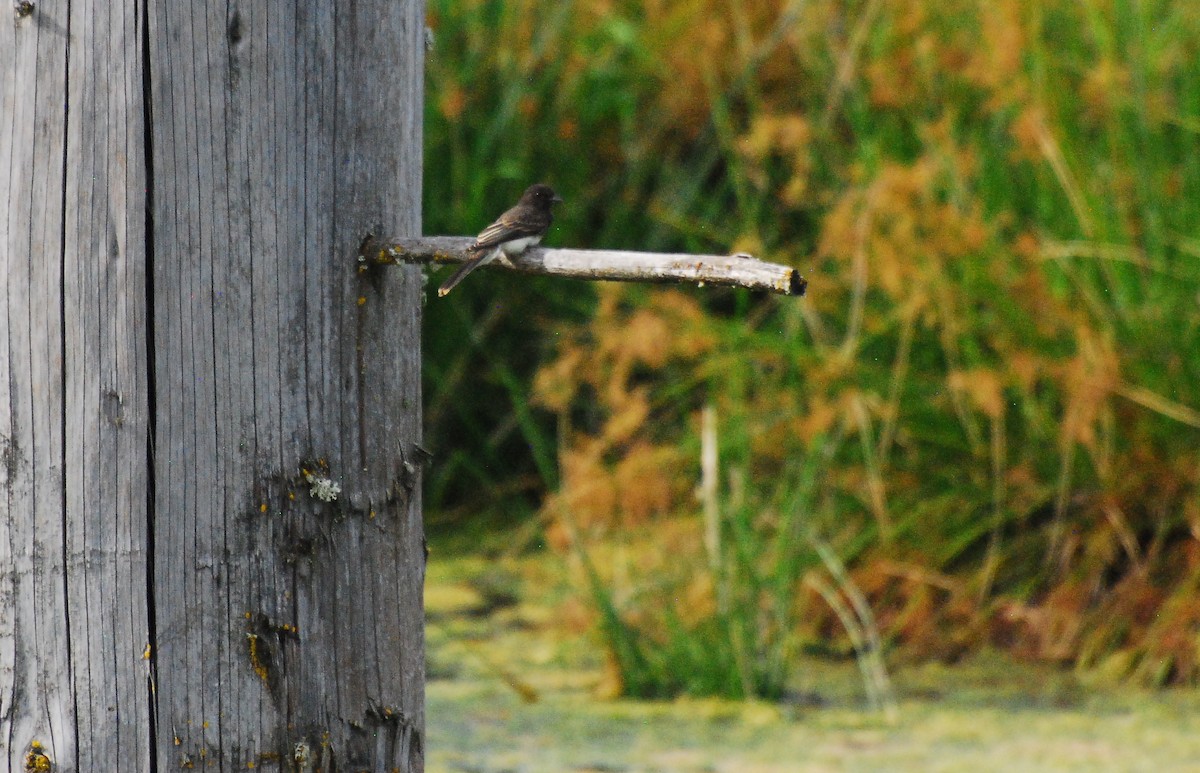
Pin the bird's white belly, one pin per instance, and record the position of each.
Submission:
(517, 246)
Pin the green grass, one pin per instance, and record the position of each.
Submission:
(998, 210)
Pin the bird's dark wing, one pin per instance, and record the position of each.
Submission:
(517, 223)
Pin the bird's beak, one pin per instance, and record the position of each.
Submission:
(557, 199)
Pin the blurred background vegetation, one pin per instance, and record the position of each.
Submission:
(979, 429)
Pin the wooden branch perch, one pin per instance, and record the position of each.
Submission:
(739, 270)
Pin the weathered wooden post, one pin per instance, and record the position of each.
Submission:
(210, 541)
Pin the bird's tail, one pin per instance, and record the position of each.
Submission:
(470, 265)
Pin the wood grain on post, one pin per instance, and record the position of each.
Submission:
(107, 397)
(288, 537)
(37, 696)
(211, 551)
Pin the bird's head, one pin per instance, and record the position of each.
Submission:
(541, 194)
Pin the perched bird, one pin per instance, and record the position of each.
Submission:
(515, 231)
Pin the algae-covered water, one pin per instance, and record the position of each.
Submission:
(515, 685)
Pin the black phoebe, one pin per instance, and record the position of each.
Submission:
(515, 231)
